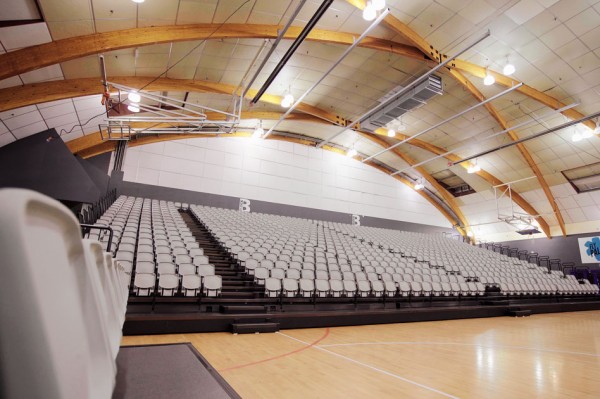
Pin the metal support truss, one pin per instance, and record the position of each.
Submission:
(159, 114)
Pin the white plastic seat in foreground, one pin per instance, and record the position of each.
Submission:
(45, 341)
(117, 287)
(212, 285)
(108, 306)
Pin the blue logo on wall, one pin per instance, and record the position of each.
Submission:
(593, 248)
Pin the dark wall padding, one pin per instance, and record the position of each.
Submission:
(99, 177)
(221, 201)
(43, 163)
(564, 248)
(101, 161)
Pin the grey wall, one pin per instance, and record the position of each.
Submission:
(99, 177)
(101, 161)
(221, 201)
(42, 162)
(564, 248)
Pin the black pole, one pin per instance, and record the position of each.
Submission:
(288, 54)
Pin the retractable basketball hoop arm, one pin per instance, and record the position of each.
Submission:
(165, 115)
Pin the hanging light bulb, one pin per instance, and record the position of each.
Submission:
(576, 137)
(508, 69)
(133, 107)
(419, 186)
(469, 233)
(391, 133)
(489, 79)
(369, 12)
(378, 4)
(138, 1)
(352, 152)
(287, 100)
(134, 97)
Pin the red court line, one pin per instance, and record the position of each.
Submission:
(278, 356)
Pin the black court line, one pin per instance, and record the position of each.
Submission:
(166, 370)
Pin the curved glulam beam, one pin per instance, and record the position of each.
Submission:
(21, 96)
(474, 69)
(42, 55)
(106, 146)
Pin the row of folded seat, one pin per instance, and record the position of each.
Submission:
(289, 287)
(63, 303)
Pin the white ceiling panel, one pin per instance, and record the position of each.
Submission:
(16, 37)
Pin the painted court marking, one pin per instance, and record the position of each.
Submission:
(305, 347)
(464, 344)
(322, 348)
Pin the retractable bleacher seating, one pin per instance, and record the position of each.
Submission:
(325, 259)
(371, 262)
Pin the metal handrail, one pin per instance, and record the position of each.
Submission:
(92, 226)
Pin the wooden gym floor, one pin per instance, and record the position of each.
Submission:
(550, 355)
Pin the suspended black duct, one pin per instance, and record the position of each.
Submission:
(309, 26)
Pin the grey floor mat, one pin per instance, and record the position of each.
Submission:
(167, 371)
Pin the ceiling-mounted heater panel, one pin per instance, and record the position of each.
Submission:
(401, 105)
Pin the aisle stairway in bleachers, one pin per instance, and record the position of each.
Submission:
(236, 284)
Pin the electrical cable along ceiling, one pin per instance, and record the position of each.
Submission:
(538, 70)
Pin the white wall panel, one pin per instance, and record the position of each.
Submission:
(287, 173)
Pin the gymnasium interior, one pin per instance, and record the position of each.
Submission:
(299, 198)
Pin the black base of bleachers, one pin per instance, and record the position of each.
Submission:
(518, 312)
(497, 302)
(242, 309)
(171, 323)
(253, 328)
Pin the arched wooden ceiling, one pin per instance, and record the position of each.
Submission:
(47, 54)
(35, 57)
